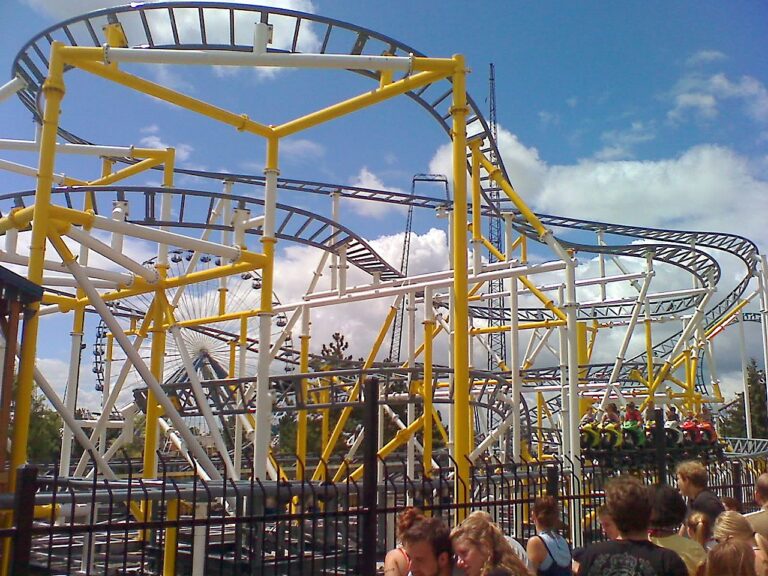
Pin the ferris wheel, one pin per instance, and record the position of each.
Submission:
(212, 336)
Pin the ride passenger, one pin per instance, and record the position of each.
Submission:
(632, 414)
(482, 550)
(673, 415)
(611, 415)
(588, 417)
(650, 411)
(548, 551)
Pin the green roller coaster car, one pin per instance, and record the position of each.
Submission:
(633, 433)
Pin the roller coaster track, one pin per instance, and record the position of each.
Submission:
(293, 224)
(157, 25)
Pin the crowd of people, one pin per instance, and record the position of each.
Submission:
(649, 531)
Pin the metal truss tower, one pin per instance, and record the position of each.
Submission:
(496, 340)
(395, 343)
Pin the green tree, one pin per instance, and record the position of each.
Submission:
(333, 356)
(45, 425)
(734, 417)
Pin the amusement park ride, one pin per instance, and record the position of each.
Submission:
(196, 339)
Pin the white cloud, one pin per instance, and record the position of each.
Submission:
(301, 150)
(526, 170)
(378, 210)
(704, 57)
(548, 118)
(56, 373)
(694, 191)
(151, 129)
(750, 90)
(619, 144)
(358, 322)
(702, 96)
(183, 151)
(572, 102)
(702, 105)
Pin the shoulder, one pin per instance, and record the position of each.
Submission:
(599, 548)
(396, 562)
(708, 503)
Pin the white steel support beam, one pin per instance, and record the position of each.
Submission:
(745, 375)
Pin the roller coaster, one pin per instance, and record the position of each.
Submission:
(195, 337)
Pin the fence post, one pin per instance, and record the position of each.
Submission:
(738, 482)
(370, 449)
(23, 515)
(553, 481)
(660, 444)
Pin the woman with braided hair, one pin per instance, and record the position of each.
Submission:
(481, 548)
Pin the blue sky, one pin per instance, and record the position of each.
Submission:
(648, 113)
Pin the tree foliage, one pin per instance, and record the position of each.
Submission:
(45, 425)
(734, 417)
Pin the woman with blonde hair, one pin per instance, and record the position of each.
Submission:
(733, 526)
(730, 558)
(699, 528)
(482, 550)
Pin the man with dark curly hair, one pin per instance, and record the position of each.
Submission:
(632, 554)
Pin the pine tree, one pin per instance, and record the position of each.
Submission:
(734, 418)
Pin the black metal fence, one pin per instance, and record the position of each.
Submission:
(184, 525)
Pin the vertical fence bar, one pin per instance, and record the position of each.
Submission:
(26, 480)
(738, 482)
(660, 444)
(553, 481)
(371, 415)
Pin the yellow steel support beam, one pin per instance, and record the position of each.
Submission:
(171, 538)
(358, 102)
(239, 121)
(462, 435)
(154, 411)
(18, 218)
(521, 326)
(495, 174)
(131, 170)
(301, 431)
(583, 350)
(53, 90)
(420, 349)
(429, 330)
(401, 437)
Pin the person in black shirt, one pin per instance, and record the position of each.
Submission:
(629, 504)
(692, 483)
